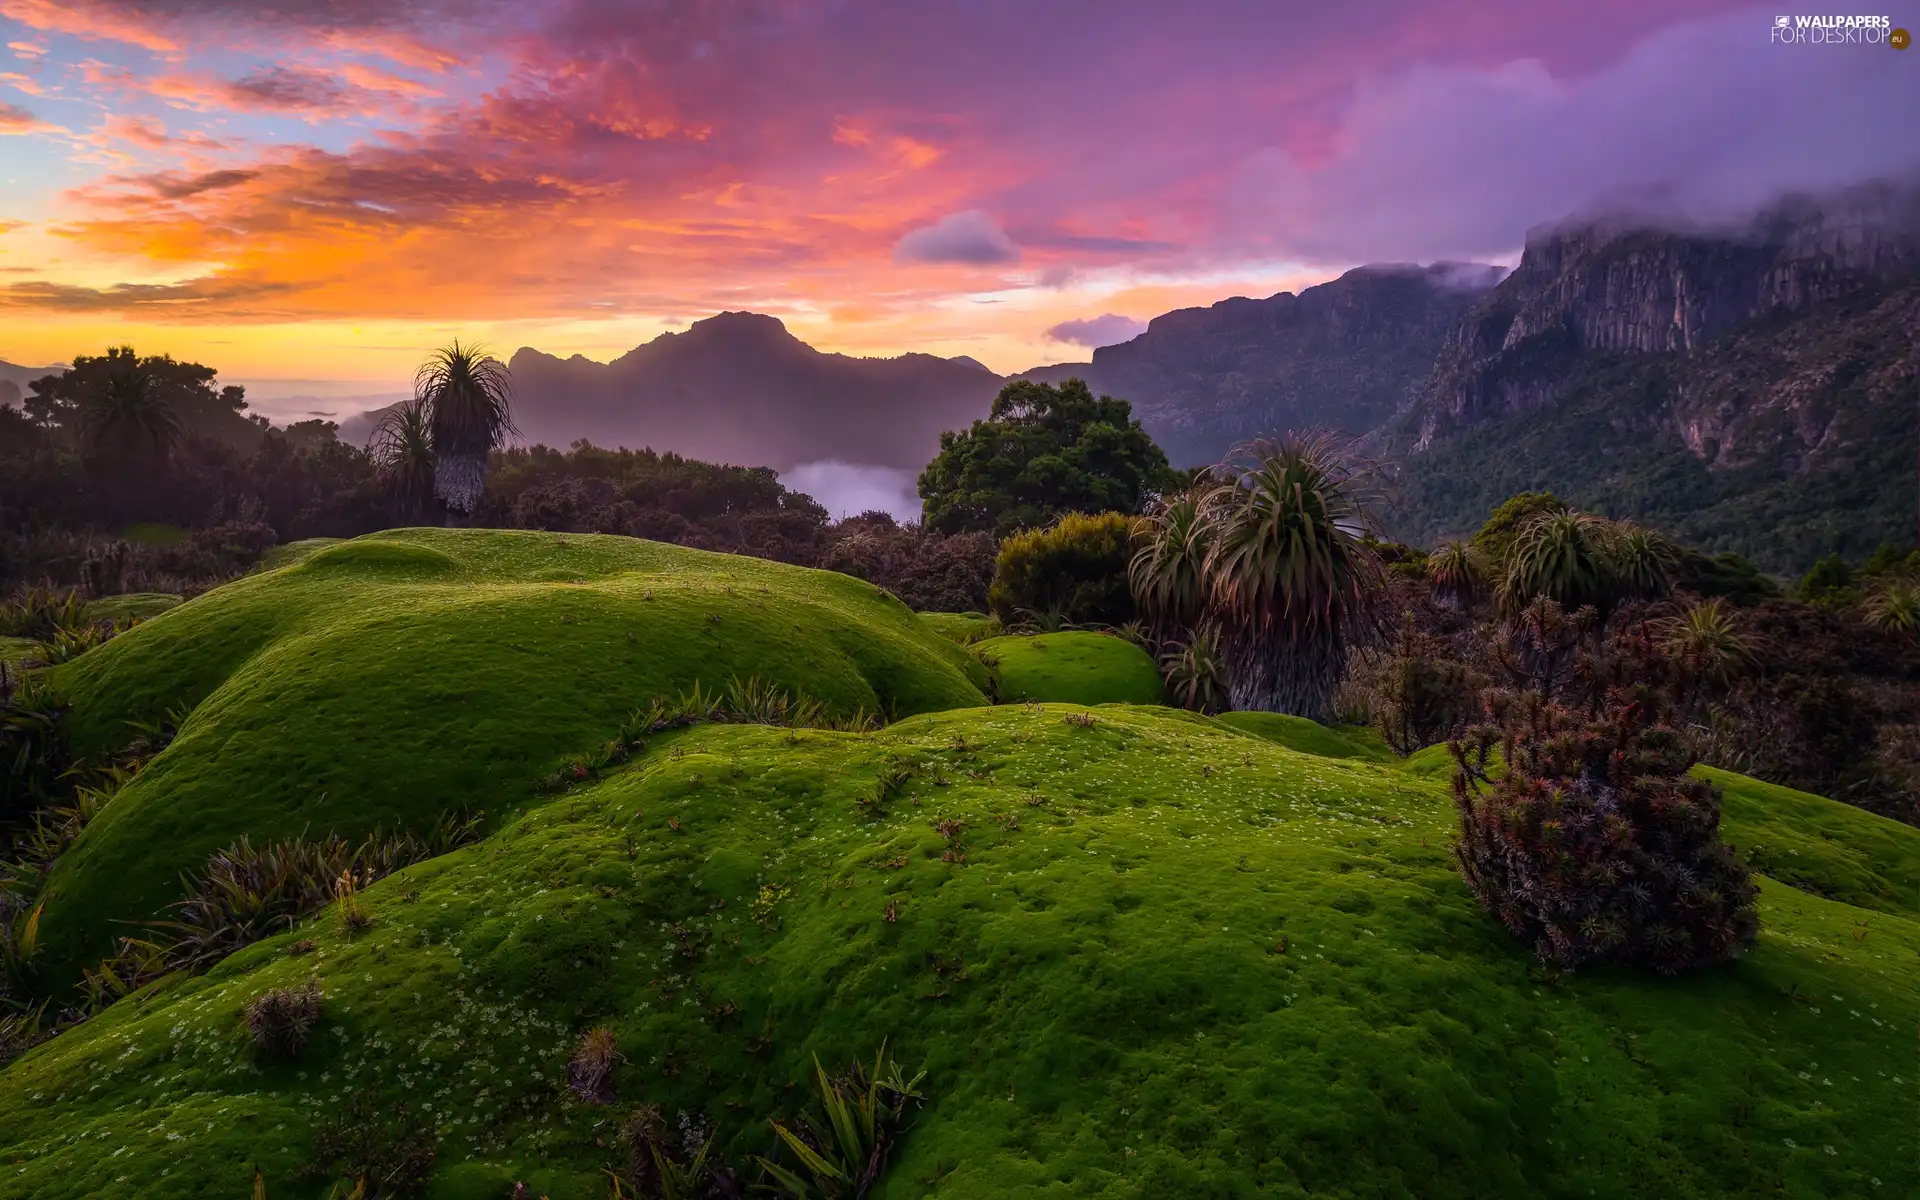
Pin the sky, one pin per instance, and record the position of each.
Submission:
(311, 194)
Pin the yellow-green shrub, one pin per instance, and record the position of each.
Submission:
(1073, 572)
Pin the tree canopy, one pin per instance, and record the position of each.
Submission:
(1042, 452)
(120, 388)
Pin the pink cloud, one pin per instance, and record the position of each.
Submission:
(88, 19)
(678, 157)
(17, 121)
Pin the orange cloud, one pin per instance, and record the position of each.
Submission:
(21, 83)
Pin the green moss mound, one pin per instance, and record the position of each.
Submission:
(141, 605)
(1072, 668)
(1311, 737)
(965, 628)
(288, 553)
(1832, 850)
(1156, 958)
(383, 681)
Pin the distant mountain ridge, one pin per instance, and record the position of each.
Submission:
(1343, 355)
(739, 388)
(14, 380)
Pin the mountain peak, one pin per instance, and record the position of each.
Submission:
(742, 325)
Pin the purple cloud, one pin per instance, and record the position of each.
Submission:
(969, 237)
(1107, 329)
(1704, 121)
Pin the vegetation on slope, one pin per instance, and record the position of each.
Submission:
(389, 680)
(1135, 956)
(1071, 667)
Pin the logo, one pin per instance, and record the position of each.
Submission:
(1838, 31)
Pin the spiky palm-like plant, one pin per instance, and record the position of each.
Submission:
(1707, 639)
(128, 416)
(1168, 570)
(468, 396)
(1567, 557)
(1894, 606)
(1643, 562)
(402, 445)
(1195, 675)
(1287, 572)
(1459, 574)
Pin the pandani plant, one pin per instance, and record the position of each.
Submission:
(468, 398)
(1289, 576)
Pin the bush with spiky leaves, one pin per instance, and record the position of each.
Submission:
(1168, 569)
(1564, 557)
(590, 1071)
(281, 1019)
(1195, 672)
(1458, 572)
(402, 448)
(1708, 641)
(468, 397)
(1288, 572)
(1644, 562)
(34, 751)
(1593, 843)
(1894, 605)
(842, 1149)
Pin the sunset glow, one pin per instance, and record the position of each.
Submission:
(294, 189)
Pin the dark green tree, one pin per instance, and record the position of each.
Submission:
(1042, 452)
(156, 401)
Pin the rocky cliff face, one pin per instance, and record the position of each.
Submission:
(1344, 355)
(1617, 288)
(1755, 391)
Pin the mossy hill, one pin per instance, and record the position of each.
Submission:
(1139, 952)
(1073, 667)
(384, 681)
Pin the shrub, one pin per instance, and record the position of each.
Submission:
(40, 613)
(1594, 844)
(1495, 538)
(386, 1152)
(1830, 579)
(280, 1020)
(247, 893)
(1894, 605)
(1417, 695)
(659, 1164)
(1196, 672)
(1075, 569)
(841, 1148)
(1459, 574)
(590, 1071)
(34, 753)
